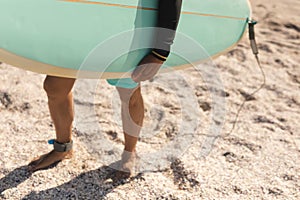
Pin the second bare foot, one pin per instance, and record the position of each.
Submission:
(48, 159)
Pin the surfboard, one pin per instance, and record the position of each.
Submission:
(108, 38)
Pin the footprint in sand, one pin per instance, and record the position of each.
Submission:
(238, 54)
(5, 99)
(292, 26)
(265, 47)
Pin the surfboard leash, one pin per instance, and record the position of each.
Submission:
(251, 24)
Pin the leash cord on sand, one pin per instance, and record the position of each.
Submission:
(254, 48)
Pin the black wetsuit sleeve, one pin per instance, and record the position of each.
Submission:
(168, 18)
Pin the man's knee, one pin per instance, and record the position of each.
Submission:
(57, 87)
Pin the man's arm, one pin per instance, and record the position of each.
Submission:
(168, 18)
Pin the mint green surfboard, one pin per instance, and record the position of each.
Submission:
(108, 38)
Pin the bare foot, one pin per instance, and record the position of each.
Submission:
(127, 164)
(48, 159)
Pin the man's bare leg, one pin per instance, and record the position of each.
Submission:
(132, 112)
(60, 101)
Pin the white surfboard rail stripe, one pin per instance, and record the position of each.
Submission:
(44, 68)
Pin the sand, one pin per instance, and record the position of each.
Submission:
(260, 159)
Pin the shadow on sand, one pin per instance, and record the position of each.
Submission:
(94, 184)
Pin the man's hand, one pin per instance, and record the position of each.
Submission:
(147, 68)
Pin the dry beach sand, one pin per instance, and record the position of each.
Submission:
(260, 159)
